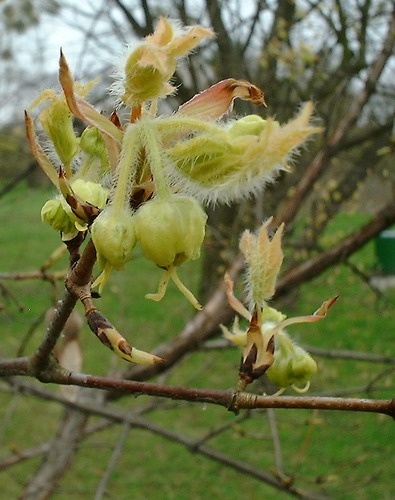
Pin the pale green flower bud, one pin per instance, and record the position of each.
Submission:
(171, 231)
(269, 314)
(292, 366)
(114, 237)
(227, 164)
(58, 123)
(151, 64)
(91, 192)
(145, 78)
(53, 213)
(92, 143)
(249, 125)
(79, 201)
(264, 257)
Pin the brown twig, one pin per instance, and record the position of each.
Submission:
(25, 454)
(351, 355)
(77, 283)
(41, 359)
(10, 296)
(33, 275)
(113, 462)
(232, 400)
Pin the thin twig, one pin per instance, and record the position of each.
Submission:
(115, 456)
(41, 358)
(26, 454)
(29, 333)
(220, 429)
(371, 384)
(220, 344)
(351, 355)
(271, 416)
(34, 275)
(338, 253)
(232, 400)
(10, 296)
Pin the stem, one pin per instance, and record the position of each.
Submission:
(84, 169)
(153, 150)
(153, 108)
(15, 366)
(67, 169)
(129, 155)
(40, 360)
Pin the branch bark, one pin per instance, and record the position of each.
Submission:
(231, 400)
(133, 420)
(195, 446)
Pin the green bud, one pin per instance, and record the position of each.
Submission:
(171, 231)
(248, 125)
(92, 143)
(92, 192)
(269, 314)
(147, 71)
(54, 213)
(227, 164)
(58, 124)
(59, 214)
(292, 364)
(114, 237)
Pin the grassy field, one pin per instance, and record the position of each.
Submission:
(345, 456)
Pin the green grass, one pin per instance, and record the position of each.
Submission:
(345, 455)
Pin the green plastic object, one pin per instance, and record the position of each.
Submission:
(385, 251)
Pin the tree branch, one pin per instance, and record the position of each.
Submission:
(113, 462)
(30, 275)
(350, 355)
(77, 280)
(291, 206)
(338, 253)
(141, 31)
(231, 400)
(133, 420)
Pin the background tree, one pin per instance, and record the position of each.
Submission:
(339, 56)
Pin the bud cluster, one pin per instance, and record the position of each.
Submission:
(267, 347)
(141, 181)
(60, 214)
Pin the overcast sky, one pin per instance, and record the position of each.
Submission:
(35, 63)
